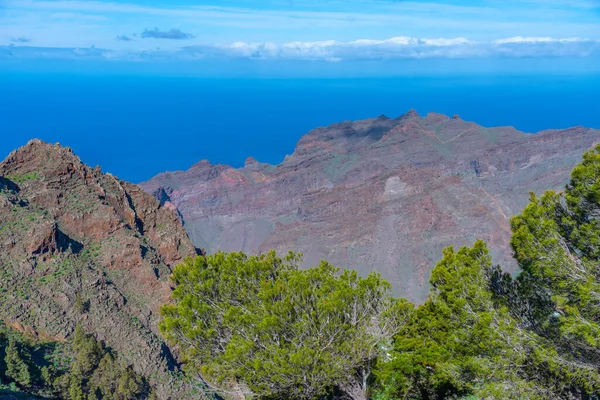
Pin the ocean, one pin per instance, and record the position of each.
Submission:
(137, 126)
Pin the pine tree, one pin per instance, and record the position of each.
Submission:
(277, 331)
(17, 361)
(556, 240)
(88, 351)
(130, 385)
(76, 385)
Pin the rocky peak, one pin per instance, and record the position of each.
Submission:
(436, 117)
(358, 137)
(412, 113)
(38, 155)
(68, 230)
(384, 194)
(349, 136)
(250, 161)
(202, 164)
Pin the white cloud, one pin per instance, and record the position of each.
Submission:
(403, 40)
(401, 47)
(520, 39)
(396, 47)
(335, 51)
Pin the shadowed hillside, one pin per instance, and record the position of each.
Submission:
(380, 194)
(81, 247)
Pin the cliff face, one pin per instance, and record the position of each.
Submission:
(71, 233)
(380, 194)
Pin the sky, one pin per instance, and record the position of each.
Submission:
(335, 31)
(130, 84)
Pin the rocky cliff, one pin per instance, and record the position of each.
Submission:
(380, 194)
(80, 246)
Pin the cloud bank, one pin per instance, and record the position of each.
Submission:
(399, 48)
(174, 34)
(332, 51)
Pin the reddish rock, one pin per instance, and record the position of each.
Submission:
(67, 230)
(380, 194)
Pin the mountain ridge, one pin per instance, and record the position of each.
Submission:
(378, 194)
(71, 234)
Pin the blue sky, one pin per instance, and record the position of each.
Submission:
(105, 76)
(332, 31)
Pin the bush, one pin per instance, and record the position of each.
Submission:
(262, 327)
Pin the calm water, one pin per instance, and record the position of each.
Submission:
(136, 127)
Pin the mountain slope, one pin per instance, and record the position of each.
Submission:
(380, 194)
(71, 234)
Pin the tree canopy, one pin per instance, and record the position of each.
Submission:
(266, 328)
(486, 334)
(273, 331)
(47, 369)
(557, 244)
(260, 327)
(465, 340)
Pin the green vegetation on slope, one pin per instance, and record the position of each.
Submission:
(258, 326)
(485, 334)
(464, 341)
(81, 370)
(81, 247)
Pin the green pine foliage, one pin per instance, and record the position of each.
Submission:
(466, 341)
(457, 343)
(81, 306)
(484, 334)
(96, 374)
(17, 361)
(25, 363)
(556, 242)
(44, 369)
(260, 326)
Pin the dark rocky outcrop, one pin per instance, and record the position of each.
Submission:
(69, 231)
(380, 194)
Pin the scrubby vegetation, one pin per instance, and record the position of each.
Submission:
(486, 334)
(81, 247)
(79, 370)
(260, 327)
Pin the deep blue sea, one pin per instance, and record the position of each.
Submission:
(138, 126)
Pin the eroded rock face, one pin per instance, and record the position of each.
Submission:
(380, 194)
(68, 230)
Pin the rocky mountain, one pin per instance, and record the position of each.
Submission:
(380, 194)
(81, 246)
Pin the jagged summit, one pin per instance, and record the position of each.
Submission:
(412, 113)
(68, 231)
(36, 141)
(39, 145)
(250, 161)
(436, 133)
(39, 155)
(379, 194)
(436, 117)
